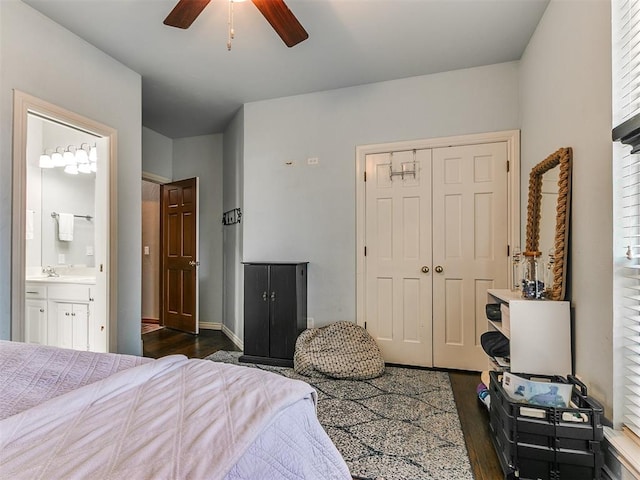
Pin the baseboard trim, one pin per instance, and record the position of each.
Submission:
(233, 337)
(210, 326)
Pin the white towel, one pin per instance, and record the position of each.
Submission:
(29, 232)
(65, 227)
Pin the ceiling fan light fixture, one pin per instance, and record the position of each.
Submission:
(275, 12)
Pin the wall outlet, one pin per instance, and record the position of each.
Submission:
(310, 322)
(89, 251)
(146, 249)
(312, 161)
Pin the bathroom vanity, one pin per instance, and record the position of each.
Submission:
(59, 312)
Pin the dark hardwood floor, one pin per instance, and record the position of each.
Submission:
(169, 342)
(473, 415)
(474, 418)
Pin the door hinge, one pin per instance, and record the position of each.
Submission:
(508, 166)
(365, 325)
(365, 176)
(365, 251)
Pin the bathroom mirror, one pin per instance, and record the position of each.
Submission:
(548, 217)
(55, 191)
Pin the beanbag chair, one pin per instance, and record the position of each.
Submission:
(340, 350)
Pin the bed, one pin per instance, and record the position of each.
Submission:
(68, 414)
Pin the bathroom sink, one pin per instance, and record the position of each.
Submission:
(86, 280)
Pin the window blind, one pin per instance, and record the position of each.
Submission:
(631, 288)
(626, 107)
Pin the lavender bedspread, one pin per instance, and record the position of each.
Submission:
(31, 374)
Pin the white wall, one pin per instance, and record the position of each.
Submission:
(566, 102)
(157, 153)
(233, 316)
(202, 157)
(307, 213)
(43, 59)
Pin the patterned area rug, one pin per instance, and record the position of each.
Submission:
(400, 426)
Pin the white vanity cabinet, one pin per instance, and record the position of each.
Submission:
(36, 325)
(60, 316)
(69, 315)
(539, 333)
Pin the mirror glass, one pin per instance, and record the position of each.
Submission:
(548, 218)
(54, 194)
(548, 202)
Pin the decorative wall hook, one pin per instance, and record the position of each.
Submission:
(231, 216)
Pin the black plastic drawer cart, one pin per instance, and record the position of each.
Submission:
(536, 442)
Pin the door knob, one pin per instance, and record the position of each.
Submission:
(264, 296)
(425, 269)
(194, 264)
(439, 269)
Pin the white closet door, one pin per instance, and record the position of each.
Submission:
(398, 242)
(470, 238)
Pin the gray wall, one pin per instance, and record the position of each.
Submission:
(233, 316)
(41, 58)
(157, 154)
(202, 157)
(307, 213)
(566, 102)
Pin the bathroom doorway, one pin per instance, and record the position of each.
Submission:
(151, 274)
(80, 255)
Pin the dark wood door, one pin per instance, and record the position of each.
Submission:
(179, 203)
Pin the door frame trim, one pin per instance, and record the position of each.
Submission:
(511, 137)
(23, 104)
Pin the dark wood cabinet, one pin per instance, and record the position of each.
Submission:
(275, 311)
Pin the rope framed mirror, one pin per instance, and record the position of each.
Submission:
(546, 196)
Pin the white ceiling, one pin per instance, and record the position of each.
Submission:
(191, 84)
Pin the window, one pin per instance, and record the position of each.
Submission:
(626, 114)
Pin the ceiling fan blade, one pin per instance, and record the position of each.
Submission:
(185, 13)
(282, 20)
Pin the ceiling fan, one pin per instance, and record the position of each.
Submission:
(276, 12)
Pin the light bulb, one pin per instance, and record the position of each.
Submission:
(58, 160)
(84, 168)
(69, 158)
(81, 156)
(93, 154)
(45, 161)
(71, 169)
(93, 166)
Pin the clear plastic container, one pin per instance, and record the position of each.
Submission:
(533, 273)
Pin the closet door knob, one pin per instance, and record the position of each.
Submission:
(439, 269)
(425, 269)
(264, 296)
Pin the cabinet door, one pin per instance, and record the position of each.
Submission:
(80, 327)
(283, 316)
(256, 310)
(61, 325)
(36, 322)
(69, 326)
